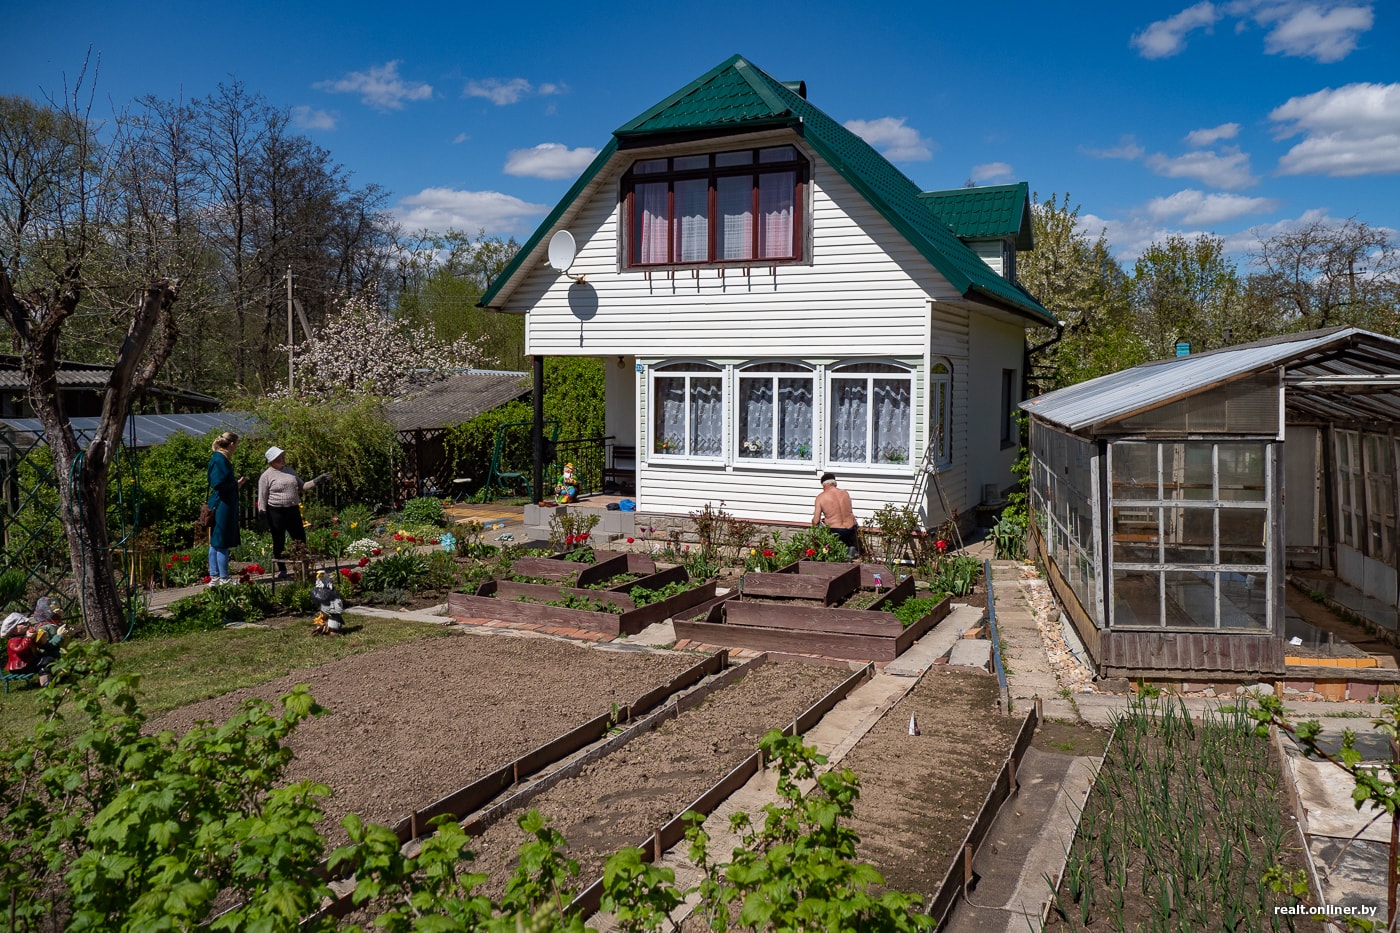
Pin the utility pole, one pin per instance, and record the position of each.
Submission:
(291, 354)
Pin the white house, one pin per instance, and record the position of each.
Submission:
(774, 299)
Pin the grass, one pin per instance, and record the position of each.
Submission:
(178, 671)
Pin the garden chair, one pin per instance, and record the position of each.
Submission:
(18, 680)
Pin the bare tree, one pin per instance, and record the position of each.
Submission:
(1326, 273)
(70, 236)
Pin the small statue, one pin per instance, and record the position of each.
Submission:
(328, 620)
(566, 490)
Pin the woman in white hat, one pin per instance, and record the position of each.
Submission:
(279, 501)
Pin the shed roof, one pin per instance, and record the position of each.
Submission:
(738, 96)
(1337, 374)
(985, 212)
(451, 400)
(146, 430)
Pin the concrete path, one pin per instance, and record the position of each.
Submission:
(834, 736)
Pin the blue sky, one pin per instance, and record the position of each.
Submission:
(1238, 118)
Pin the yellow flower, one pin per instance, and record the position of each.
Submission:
(397, 549)
(753, 550)
(306, 524)
(354, 524)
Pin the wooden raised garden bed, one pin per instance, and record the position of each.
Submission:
(757, 620)
(529, 602)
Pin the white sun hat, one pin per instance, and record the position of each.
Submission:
(273, 453)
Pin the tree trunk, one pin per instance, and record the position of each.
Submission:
(83, 512)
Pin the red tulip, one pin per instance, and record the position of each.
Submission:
(170, 564)
(377, 551)
(364, 561)
(810, 551)
(767, 553)
(630, 540)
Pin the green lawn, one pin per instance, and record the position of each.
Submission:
(178, 671)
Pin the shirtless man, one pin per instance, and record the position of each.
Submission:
(833, 506)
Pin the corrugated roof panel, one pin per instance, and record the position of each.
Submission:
(149, 429)
(1115, 395)
(988, 211)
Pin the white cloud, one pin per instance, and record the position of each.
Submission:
(437, 209)
(896, 142)
(549, 160)
(1200, 209)
(460, 138)
(1206, 137)
(381, 88)
(1347, 131)
(306, 118)
(1324, 31)
(1228, 168)
(503, 93)
(1167, 37)
(990, 171)
(1127, 148)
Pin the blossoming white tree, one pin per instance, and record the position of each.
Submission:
(363, 350)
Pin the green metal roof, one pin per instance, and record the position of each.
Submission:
(989, 212)
(736, 95)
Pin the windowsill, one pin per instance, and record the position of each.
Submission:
(681, 460)
(738, 264)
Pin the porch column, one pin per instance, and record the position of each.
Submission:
(537, 431)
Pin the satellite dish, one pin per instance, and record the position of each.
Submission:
(562, 250)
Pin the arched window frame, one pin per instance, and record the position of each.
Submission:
(675, 432)
(789, 436)
(879, 448)
(940, 410)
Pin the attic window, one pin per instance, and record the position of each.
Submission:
(739, 206)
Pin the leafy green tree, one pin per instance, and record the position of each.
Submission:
(1076, 277)
(1186, 289)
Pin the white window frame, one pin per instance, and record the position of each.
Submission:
(829, 408)
(687, 370)
(940, 410)
(754, 371)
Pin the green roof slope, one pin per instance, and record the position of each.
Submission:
(987, 212)
(738, 95)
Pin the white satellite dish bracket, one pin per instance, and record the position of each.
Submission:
(562, 250)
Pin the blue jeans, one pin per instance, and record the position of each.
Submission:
(218, 563)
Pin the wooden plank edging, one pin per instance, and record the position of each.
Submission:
(952, 887)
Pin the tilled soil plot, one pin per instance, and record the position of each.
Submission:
(619, 800)
(920, 793)
(409, 724)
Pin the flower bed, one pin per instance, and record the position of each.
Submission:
(768, 617)
(590, 603)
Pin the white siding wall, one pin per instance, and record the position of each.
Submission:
(989, 252)
(994, 346)
(620, 399)
(863, 292)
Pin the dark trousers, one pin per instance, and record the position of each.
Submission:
(284, 520)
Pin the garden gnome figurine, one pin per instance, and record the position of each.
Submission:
(566, 489)
(328, 620)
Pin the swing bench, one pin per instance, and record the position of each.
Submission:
(501, 480)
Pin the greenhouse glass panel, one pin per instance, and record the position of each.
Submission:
(1134, 470)
(1137, 599)
(1188, 471)
(1242, 536)
(1242, 472)
(1135, 535)
(1190, 598)
(1190, 536)
(1244, 601)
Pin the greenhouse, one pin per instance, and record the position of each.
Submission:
(1171, 501)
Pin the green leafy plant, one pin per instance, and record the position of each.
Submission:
(954, 575)
(796, 869)
(425, 510)
(641, 596)
(568, 527)
(899, 527)
(915, 608)
(213, 608)
(402, 570)
(441, 573)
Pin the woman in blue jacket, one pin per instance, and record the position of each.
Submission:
(223, 499)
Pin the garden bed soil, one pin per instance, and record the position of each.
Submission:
(920, 793)
(409, 724)
(621, 799)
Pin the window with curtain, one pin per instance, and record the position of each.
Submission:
(871, 413)
(775, 412)
(738, 206)
(687, 411)
(941, 411)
